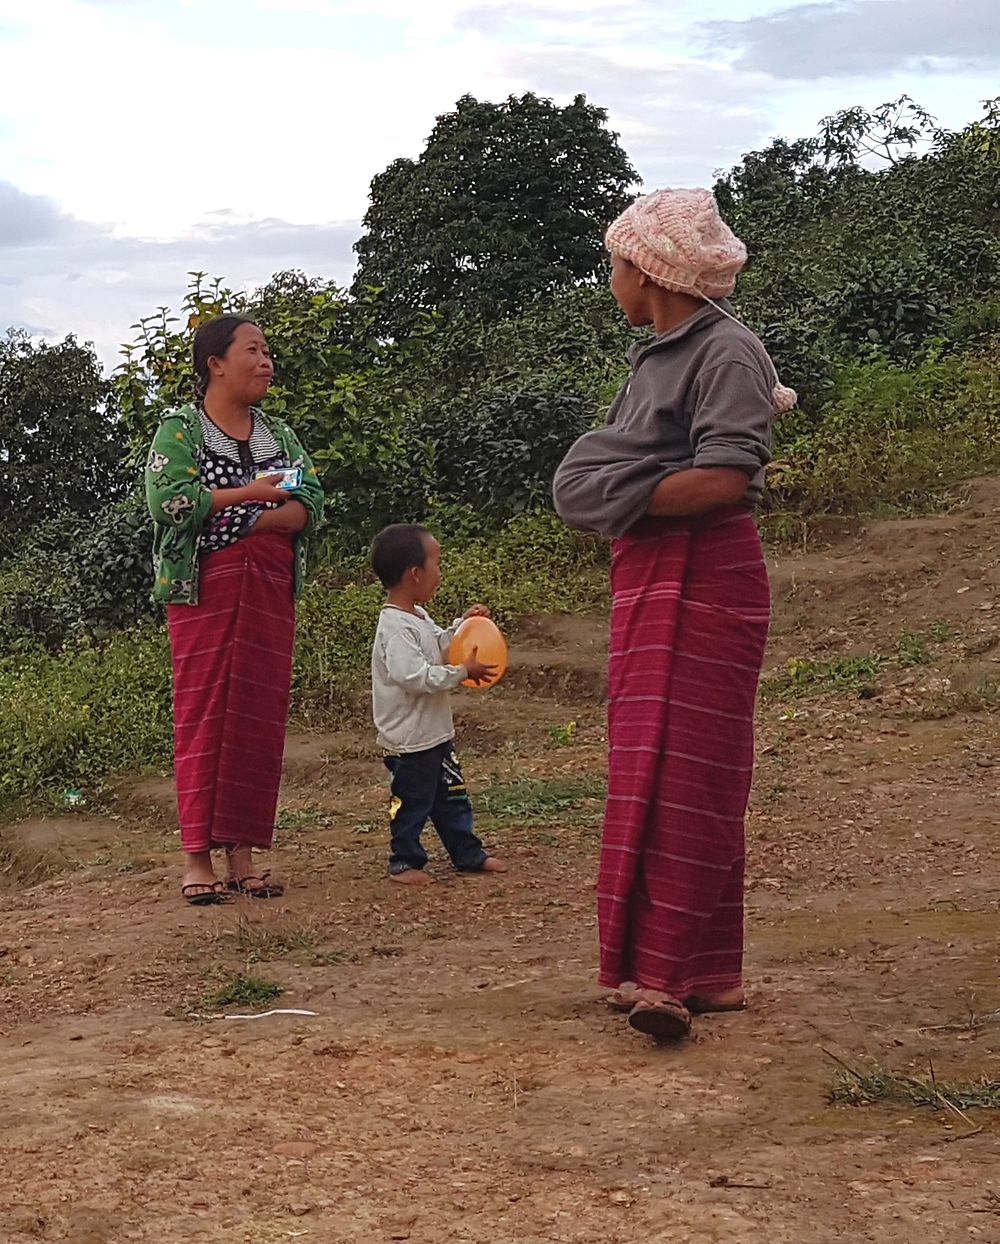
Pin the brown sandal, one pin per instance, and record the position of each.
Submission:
(665, 1020)
(705, 1006)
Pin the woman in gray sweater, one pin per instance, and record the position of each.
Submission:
(672, 478)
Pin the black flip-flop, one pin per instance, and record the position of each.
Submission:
(210, 894)
(663, 1020)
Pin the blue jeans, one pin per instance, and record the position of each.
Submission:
(430, 784)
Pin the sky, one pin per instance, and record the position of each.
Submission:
(143, 139)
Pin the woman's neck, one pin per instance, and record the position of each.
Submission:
(671, 308)
(232, 416)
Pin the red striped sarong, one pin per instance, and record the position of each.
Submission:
(232, 665)
(688, 629)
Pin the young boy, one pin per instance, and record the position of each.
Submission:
(410, 704)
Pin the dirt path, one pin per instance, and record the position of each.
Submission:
(459, 1081)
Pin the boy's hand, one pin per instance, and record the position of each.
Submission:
(478, 672)
(477, 611)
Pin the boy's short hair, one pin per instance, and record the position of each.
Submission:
(395, 549)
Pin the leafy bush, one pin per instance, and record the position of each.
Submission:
(79, 575)
(60, 440)
(337, 381)
(71, 717)
(890, 438)
(498, 452)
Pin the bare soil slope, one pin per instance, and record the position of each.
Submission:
(460, 1080)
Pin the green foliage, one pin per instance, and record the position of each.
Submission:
(890, 437)
(337, 382)
(889, 1087)
(572, 342)
(803, 674)
(60, 447)
(71, 717)
(850, 260)
(543, 801)
(912, 650)
(506, 203)
(78, 575)
(564, 735)
(498, 452)
(533, 564)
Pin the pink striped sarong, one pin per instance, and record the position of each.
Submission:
(232, 666)
(690, 615)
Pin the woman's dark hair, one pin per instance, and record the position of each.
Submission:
(396, 549)
(212, 340)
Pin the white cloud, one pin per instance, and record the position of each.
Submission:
(843, 38)
(143, 139)
(679, 119)
(85, 280)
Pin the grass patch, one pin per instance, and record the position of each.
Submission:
(887, 1087)
(263, 940)
(304, 818)
(857, 674)
(984, 697)
(75, 713)
(243, 990)
(539, 801)
(804, 676)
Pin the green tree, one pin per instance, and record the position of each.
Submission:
(60, 440)
(507, 202)
(868, 240)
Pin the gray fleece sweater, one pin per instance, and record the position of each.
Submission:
(699, 395)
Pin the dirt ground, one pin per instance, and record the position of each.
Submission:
(460, 1080)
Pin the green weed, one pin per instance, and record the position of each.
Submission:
(803, 675)
(563, 736)
(883, 1086)
(912, 650)
(243, 990)
(304, 818)
(539, 801)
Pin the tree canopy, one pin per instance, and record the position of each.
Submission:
(507, 202)
(60, 447)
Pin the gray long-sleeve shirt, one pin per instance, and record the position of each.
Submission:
(699, 395)
(411, 681)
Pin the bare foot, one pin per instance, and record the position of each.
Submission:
(411, 876)
(239, 861)
(492, 865)
(198, 870)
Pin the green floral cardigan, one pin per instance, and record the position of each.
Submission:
(180, 503)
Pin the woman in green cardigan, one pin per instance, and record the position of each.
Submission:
(234, 499)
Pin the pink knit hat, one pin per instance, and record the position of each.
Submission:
(680, 241)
